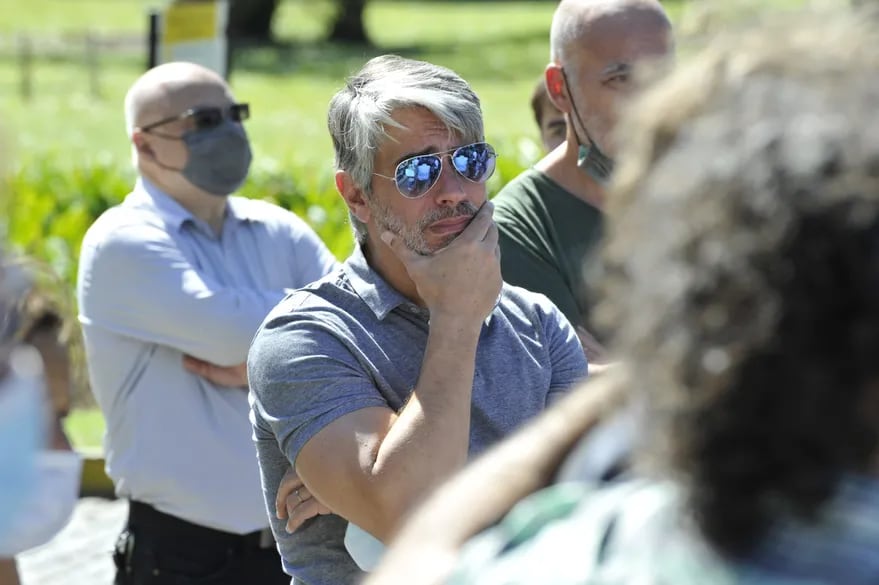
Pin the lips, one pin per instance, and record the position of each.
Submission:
(451, 225)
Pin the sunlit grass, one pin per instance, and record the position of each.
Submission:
(85, 428)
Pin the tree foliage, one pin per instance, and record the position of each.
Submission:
(349, 25)
(251, 21)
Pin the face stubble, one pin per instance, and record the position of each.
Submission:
(413, 236)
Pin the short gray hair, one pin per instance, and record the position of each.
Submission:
(567, 27)
(360, 112)
(573, 20)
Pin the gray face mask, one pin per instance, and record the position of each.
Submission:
(219, 158)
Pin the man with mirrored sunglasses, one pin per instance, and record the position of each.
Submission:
(173, 283)
(380, 381)
(550, 217)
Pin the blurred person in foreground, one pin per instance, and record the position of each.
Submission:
(743, 284)
(173, 283)
(380, 381)
(549, 119)
(40, 332)
(550, 217)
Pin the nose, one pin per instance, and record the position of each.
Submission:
(450, 185)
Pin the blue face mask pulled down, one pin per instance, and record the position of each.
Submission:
(22, 432)
(590, 158)
(595, 163)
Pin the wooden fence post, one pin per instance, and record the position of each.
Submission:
(25, 63)
(92, 64)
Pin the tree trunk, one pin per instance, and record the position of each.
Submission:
(251, 20)
(349, 26)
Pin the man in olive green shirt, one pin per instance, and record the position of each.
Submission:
(547, 236)
(550, 217)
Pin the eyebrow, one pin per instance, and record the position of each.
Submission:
(616, 68)
(428, 150)
(557, 124)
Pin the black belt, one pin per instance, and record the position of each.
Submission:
(143, 517)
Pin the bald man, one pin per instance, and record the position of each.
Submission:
(173, 283)
(550, 217)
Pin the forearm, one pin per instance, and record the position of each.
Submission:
(217, 328)
(146, 288)
(373, 465)
(527, 461)
(429, 440)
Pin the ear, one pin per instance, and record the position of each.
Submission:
(353, 196)
(557, 88)
(140, 142)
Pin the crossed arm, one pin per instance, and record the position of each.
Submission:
(136, 282)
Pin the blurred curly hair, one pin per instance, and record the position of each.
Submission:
(742, 272)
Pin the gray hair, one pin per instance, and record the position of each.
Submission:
(360, 112)
(567, 27)
(573, 20)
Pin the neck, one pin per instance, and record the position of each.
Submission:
(210, 209)
(560, 165)
(385, 262)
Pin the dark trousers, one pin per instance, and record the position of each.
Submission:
(159, 549)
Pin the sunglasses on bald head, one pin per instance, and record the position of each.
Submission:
(417, 175)
(206, 117)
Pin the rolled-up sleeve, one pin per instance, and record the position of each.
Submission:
(569, 364)
(303, 377)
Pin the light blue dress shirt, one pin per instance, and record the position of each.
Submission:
(155, 283)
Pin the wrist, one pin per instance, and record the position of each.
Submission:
(456, 325)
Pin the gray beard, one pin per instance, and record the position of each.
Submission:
(413, 236)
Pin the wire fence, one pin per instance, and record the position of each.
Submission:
(32, 60)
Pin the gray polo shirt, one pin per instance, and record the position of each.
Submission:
(350, 341)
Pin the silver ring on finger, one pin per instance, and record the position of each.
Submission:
(298, 497)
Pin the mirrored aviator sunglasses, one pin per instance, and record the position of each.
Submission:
(416, 176)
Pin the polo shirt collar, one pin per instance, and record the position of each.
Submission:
(378, 295)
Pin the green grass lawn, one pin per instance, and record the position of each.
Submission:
(500, 47)
(85, 427)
